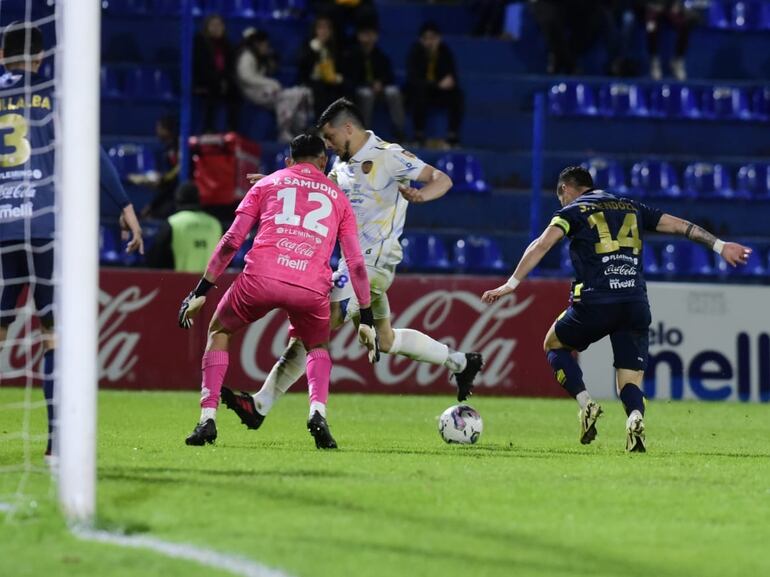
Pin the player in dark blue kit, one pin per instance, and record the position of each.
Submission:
(27, 191)
(609, 296)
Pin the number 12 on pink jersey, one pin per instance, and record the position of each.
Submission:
(312, 219)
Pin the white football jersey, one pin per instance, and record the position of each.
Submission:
(370, 179)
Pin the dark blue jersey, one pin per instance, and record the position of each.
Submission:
(27, 201)
(605, 234)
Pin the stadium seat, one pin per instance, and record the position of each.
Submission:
(128, 7)
(109, 247)
(655, 178)
(465, 171)
(726, 102)
(572, 98)
(760, 103)
(607, 174)
(242, 8)
(424, 252)
(619, 99)
(650, 261)
(565, 262)
(132, 159)
(718, 15)
(665, 101)
(149, 84)
(478, 254)
(746, 15)
(754, 180)
(704, 179)
(682, 257)
(112, 85)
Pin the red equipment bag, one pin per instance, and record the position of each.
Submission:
(220, 165)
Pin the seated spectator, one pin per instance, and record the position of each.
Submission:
(256, 64)
(681, 20)
(187, 239)
(320, 65)
(370, 73)
(432, 81)
(214, 73)
(166, 178)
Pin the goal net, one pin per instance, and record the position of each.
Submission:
(48, 253)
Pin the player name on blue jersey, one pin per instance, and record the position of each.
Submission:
(605, 235)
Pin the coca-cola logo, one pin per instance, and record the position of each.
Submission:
(300, 248)
(118, 353)
(435, 313)
(620, 270)
(16, 190)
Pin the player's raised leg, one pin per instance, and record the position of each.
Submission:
(570, 376)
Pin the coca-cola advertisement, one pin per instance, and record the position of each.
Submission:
(141, 346)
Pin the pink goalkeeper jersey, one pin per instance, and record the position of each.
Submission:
(300, 214)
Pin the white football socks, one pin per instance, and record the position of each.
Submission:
(420, 347)
(583, 398)
(208, 413)
(316, 406)
(287, 371)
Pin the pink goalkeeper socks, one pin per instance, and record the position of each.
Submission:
(214, 367)
(319, 369)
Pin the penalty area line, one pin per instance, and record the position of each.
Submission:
(231, 563)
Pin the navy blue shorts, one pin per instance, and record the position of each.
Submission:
(26, 264)
(627, 325)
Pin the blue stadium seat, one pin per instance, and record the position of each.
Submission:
(132, 159)
(650, 261)
(607, 174)
(726, 102)
(149, 84)
(746, 15)
(655, 178)
(109, 247)
(754, 180)
(704, 179)
(673, 101)
(568, 98)
(478, 254)
(125, 6)
(112, 83)
(760, 103)
(565, 262)
(465, 171)
(689, 98)
(620, 99)
(424, 252)
(682, 257)
(718, 15)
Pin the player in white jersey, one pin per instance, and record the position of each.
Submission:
(375, 175)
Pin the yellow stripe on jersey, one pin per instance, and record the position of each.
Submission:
(561, 223)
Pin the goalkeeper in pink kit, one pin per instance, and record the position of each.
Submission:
(300, 214)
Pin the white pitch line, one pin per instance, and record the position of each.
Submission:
(231, 563)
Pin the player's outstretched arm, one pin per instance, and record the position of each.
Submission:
(535, 252)
(437, 184)
(129, 225)
(733, 253)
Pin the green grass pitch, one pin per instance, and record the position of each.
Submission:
(528, 500)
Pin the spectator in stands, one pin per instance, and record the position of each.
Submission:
(256, 65)
(620, 18)
(371, 74)
(185, 241)
(681, 19)
(432, 82)
(320, 66)
(214, 73)
(166, 178)
(569, 28)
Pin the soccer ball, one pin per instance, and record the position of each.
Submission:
(460, 424)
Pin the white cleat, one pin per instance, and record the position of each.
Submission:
(588, 418)
(635, 442)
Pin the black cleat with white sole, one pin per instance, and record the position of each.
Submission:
(464, 379)
(319, 429)
(203, 433)
(242, 404)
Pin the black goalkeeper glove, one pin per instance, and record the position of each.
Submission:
(367, 335)
(193, 303)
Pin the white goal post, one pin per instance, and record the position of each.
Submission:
(77, 75)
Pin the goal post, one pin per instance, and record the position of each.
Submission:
(77, 75)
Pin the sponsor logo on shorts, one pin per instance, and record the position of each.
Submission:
(292, 263)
